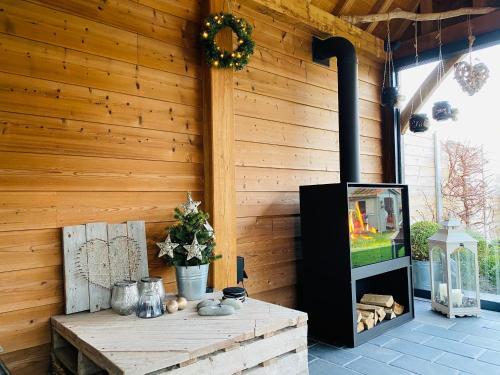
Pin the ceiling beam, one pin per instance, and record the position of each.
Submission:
(381, 6)
(396, 35)
(426, 7)
(399, 13)
(343, 8)
(426, 89)
(480, 25)
(321, 23)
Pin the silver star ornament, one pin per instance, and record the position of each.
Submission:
(167, 247)
(190, 206)
(194, 250)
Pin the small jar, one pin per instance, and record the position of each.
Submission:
(124, 297)
(150, 304)
(155, 283)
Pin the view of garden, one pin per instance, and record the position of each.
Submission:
(453, 170)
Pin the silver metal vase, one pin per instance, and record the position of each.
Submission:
(124, 297)
(192, 281)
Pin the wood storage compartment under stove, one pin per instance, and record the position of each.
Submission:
(355, 242)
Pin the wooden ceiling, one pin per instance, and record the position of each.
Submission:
(400, 29)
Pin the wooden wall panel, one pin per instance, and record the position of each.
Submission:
(286, 134)
(101, 119)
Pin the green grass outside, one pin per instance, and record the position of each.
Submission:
(365, 256)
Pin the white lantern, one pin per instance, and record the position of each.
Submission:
(454, 271)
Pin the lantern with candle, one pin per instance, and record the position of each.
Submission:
(454, 271)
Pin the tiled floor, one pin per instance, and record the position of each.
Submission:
(430, 344)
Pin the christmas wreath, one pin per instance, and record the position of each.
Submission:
(219, 58)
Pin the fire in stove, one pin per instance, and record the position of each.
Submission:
(375, 225)
(358, 227)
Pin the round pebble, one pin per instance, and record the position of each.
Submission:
(217, 310)
(208, 302)
(235, 303)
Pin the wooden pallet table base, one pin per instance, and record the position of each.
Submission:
(261, 338)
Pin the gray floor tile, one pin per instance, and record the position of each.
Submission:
(413, 349)
(491, 325)
(371, 367)
(431, 344)
(490, 315)
(381, 340)
(483, 342)
(464, 326)
(376, 352)
(422, 367)
(311, 358)
(434, 318)
(409, 335)
(441, 332)
(490, 356)
(454, 347)
(320, 367)
(468, 365)
(332, 354)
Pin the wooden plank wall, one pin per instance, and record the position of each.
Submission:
(420, 175)
(100, 120)
(286, 127)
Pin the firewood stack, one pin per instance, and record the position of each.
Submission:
(373, 308)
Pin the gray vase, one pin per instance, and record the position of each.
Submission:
(192, 281)
(421, 275)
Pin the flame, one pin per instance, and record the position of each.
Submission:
(357, 226)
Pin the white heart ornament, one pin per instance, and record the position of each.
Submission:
(471, 77)
(94, 258)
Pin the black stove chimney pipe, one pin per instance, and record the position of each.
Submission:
(347, 72)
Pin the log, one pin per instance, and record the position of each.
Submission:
(373, 308)
(359, 316)
(389, 314)
(381, 315)
(397, 308)
(377, 299)
(361, 327)
(367, 315)
(368, 322)
(398, 13)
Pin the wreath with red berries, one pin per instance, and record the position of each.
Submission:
(219, 58)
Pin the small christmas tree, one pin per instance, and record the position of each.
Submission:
(191, 241)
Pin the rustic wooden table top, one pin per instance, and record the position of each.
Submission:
(127, 344)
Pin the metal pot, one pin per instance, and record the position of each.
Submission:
(421, 274)
(419, 123)
(192, 281)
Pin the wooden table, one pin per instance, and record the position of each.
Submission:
(261, 338)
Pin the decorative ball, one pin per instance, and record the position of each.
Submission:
(181, 303)
(172, 306)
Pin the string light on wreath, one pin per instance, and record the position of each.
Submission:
(219, 58)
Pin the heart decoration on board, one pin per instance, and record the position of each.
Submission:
(94, 256)
(471, 77)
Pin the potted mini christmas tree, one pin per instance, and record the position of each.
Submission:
(189, 246)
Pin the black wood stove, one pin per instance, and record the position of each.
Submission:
(355, 236)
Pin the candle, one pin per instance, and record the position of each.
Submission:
(443, 291)
(456, 297)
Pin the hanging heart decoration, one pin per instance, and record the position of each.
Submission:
(471, 77)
